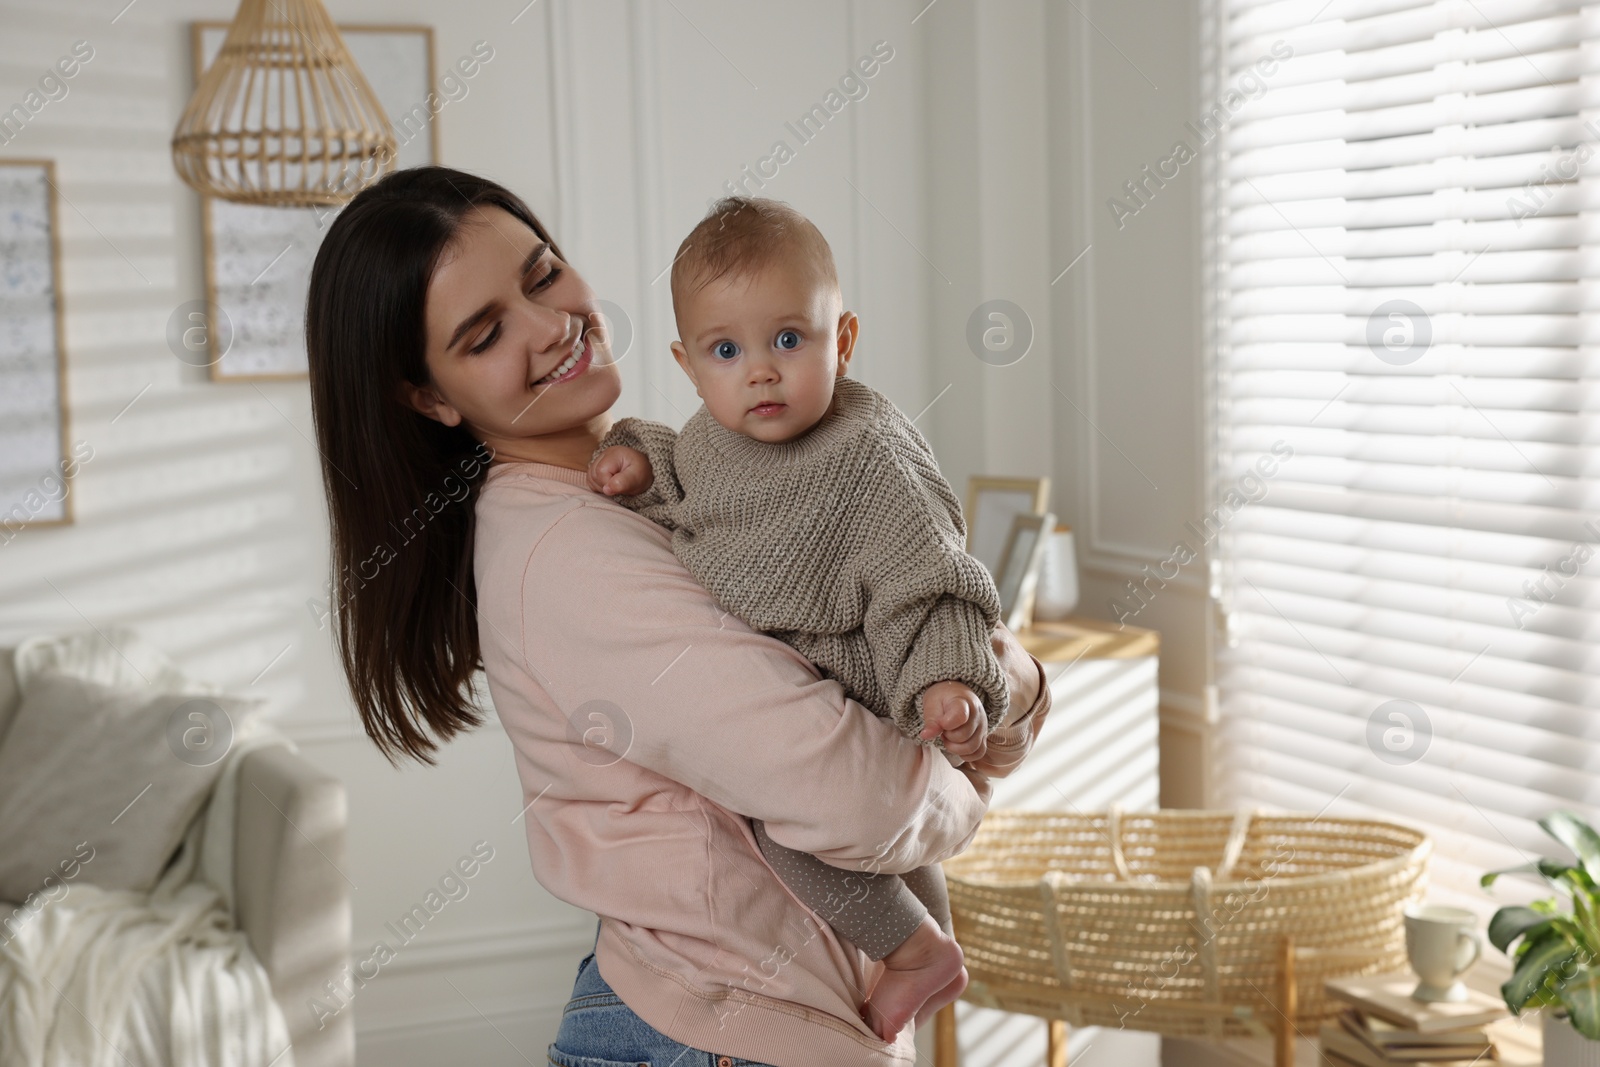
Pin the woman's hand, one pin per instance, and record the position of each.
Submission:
(1010, 742)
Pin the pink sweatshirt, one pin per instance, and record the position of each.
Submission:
(590, 625)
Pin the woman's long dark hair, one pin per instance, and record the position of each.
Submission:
(401, 487)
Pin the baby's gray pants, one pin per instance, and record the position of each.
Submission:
(874, 912)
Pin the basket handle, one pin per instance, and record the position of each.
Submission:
(1200, 882)
(1235, 846)
(1051, 883)
(1114, 834)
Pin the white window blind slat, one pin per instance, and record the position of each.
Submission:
(1404, 289)
(1484, 362)
(1335, 690)
(1512, 771)
(1439, 269)
(1293, 150)
(1476, 550)
(1355, 26)
(1322, 57)
(1506, 298)
(1443, 168)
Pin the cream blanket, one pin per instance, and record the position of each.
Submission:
(113, 978)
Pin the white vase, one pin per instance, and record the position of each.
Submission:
(1564, 1046)
(1057, 592)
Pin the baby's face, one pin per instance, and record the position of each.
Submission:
(763, 349)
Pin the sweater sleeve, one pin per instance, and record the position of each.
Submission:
(931, 607)
(736, 715)
(658, 442)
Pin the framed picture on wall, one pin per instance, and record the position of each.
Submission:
(34, 466)
(258, 259)
(991, 505)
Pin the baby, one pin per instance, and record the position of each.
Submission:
(810, 506)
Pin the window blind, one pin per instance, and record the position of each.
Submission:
(1403, 284)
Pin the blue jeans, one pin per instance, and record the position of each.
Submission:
(599, 1030)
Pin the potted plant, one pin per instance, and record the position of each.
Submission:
(1557, 949)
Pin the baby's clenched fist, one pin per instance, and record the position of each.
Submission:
(952, 710)
(621, 471)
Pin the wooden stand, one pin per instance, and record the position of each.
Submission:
(1056, 1049)
(945, 1051)
(1288, 1004)
(947, 1054)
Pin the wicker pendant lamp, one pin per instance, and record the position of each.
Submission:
(283, 116)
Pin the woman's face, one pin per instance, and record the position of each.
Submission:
(515, 348)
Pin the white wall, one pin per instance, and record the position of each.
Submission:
(1037, 113)
(975, 168)
(1124, 81)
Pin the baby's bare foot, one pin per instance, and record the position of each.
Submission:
(925, 970)
(948, 995)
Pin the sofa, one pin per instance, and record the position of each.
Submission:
(290, 899)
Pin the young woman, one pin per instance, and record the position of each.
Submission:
(460, 382)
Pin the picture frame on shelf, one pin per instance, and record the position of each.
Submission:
(35, 471)
(257, 260)
(1018, 576)
(992, 502)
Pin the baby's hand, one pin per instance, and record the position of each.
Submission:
(621, 470)
(956, 712)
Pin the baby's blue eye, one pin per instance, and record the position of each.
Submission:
(789, 339)
(725, 350)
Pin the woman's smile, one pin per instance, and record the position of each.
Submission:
(575, 364)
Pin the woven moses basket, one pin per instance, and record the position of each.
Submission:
(1172, 921)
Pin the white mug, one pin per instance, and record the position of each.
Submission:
(1442, 944)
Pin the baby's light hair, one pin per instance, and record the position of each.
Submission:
(742, 235)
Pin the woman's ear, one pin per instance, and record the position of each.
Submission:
(425, 399)
(849, 329)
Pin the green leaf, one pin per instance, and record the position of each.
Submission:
(1577, 835)
(1510, 923)
(1557, 872)
(1580, 995)
(1576, 881)
(1489, 878)
(1534, 967)
(1543, 999)
(1551, 870)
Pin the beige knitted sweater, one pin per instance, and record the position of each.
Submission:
(845, 542)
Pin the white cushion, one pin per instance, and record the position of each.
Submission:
(112, 655)
(88, 738)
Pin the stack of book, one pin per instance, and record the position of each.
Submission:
(1381, 1025)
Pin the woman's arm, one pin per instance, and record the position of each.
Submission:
(740, 717)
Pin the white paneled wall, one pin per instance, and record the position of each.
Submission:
(1129, 452)
(676, 104)
(974, 167)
